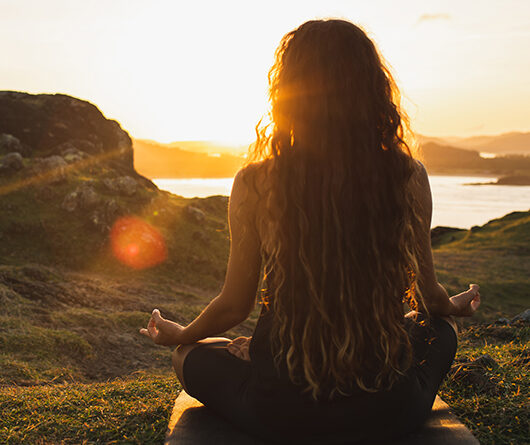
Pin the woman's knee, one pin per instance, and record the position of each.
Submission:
(178, 356)
(181, 352)
(452, 322)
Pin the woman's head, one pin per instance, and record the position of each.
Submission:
(329, 83)
(336, 219)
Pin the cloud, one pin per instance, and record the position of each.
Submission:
(433, 17)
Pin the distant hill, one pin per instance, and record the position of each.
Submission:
(514, 143)
(156, 160)
(445, 159)
(209, 147)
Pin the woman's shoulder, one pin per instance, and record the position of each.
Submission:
(254, 176)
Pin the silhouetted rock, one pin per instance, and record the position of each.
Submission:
(11, 162)
(52, 123)
(514, 180)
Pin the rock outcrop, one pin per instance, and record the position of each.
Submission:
(61, 140)
(67, 178)
(43, 125)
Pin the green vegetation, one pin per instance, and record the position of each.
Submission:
(497, 256)
(134, 410)
(493, 402)
(36, 228)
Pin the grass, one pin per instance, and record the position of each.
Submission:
(496, 256)
(36, 229)
(496, 413)
(132, 410)
(136, 409)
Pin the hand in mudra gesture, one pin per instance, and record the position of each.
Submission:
(465, 304)
(240, 347)
(161, 331)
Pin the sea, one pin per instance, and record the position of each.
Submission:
(456, 201)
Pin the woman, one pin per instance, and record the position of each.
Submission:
(337, 214)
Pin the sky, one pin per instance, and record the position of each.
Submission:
(197, 70)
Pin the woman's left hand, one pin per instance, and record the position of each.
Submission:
(161, 331)
(240, 348)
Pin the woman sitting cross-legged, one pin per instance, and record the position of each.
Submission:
(336, 213)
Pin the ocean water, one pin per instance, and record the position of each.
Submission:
(455, 202)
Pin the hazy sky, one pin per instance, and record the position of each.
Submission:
(176, 70)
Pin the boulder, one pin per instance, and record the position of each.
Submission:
(124, 185)
(11, 162)
(103, 217)
(71, 153)
(10, 143)
(83, 197)
(47, 121)
(79, 145)
(54, 168)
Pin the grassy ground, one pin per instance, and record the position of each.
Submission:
(134, 410)
(493, 402)
(496, 256)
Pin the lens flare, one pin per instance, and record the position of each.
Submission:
(137, 243)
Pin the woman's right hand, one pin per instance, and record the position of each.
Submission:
(466, 303)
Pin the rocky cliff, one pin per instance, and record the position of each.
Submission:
(66, 178)
(55, 124)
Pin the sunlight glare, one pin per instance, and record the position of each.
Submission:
(137, 244)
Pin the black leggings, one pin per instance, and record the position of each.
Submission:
(228, 385)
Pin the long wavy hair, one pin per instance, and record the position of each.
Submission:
(336, 219)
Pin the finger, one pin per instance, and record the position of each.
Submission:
(475, 303)
(233, 348)
(238, 341)
(151, 322)
(152, 330)
(238, 354)
(156, 315)
(474, 287)
(245, 351)
(144, 332)
(234, 351)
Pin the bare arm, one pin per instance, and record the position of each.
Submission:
(237, 298)
(435, 296)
